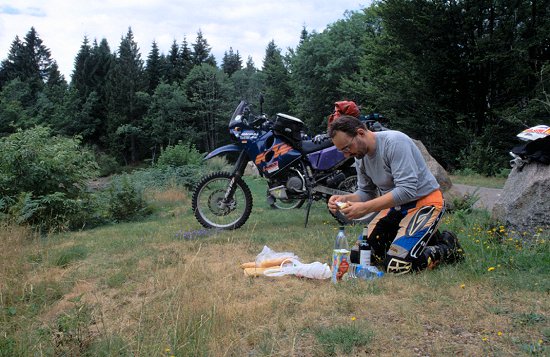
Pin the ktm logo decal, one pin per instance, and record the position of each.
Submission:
(278, 150)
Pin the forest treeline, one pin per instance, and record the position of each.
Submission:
(463, 76)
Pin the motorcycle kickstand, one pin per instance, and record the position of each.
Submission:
(309, 202)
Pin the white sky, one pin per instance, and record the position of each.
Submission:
(246, 26)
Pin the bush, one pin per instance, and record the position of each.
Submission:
(35, 161)
(126, 200)
(107, 165)
(181, 154)
(43, 179)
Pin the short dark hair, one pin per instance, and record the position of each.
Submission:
(346, 124)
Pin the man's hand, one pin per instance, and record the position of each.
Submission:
(355, 210)
(332, 205)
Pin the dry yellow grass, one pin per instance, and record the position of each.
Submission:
(191, 297)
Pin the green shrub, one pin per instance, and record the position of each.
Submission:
(35, 161)
(218, 163)
(178, 155)
(126, 200)
(43, 178)
(168, 176)
(107, 164)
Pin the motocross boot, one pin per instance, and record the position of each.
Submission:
(443, 249)
(454, 252)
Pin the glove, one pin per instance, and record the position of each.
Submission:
(319, 138)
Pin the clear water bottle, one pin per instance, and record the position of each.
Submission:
(340, 256)
(341, 241)
(369, 272)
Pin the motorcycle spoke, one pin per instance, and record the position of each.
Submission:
(215, 209)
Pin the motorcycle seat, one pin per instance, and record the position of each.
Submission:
(308, 146)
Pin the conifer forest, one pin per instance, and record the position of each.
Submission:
(462, 76)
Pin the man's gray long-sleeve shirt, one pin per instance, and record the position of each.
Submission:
(397, 166)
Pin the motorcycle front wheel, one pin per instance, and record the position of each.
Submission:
(209, 206)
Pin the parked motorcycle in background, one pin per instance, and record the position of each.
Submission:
(296, 170)
(535, 147)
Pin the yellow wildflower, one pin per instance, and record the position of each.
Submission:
(353, 318)
(490, 268)
(462, 286)
(499, 333)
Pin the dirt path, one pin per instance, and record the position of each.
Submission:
(487, 196)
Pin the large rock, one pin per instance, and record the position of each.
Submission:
(524, 205)
(437, 170)
(251, 170)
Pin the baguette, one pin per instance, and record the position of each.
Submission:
(248, 265)
(275, 262)
(255, 271)
(268, 263)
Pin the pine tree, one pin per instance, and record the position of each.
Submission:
(126, 109)
(83, 70)
(153, 69)
(29, 60)
(209, 91)
(172, 68)
(277, 81)
(36, 58)
(201, 50)
(11, 67)
(185, 59)
(250, 66)
(231, 62)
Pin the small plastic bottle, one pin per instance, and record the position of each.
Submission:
(341, 241)
(369, 272)
(340, 257)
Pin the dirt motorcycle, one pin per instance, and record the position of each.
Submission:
(535, 147)
(296, 170)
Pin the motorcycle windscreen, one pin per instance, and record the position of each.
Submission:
(326, 158)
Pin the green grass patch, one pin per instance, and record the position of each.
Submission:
(343, 339)
(69, 255)
(472, 179)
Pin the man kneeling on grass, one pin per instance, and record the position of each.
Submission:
(404, 235)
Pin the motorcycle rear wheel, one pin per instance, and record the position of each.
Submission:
(287, 203)
(349, 184)
(208, 206)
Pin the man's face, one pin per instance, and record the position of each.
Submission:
(350, 145)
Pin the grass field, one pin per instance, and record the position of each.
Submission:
(165, 287)
(479, 181)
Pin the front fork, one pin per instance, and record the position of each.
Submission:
(237, 173)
